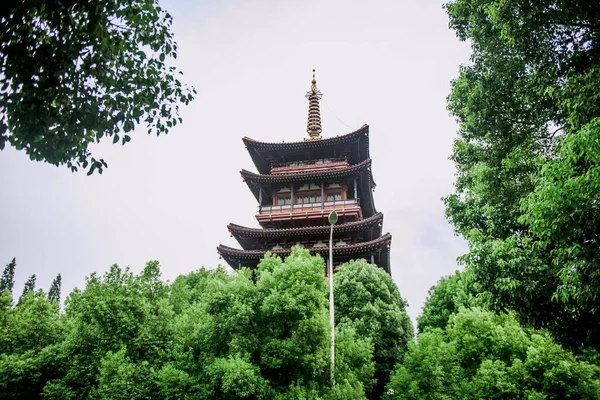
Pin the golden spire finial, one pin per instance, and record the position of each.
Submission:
(314, 113)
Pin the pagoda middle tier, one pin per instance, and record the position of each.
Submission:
(297, 185)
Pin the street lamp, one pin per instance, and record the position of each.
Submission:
(333, 218)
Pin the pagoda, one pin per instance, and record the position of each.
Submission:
(298, 184)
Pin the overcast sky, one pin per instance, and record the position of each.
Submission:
(385, 63)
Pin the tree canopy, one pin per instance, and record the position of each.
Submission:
(75, 72)
(261, 334)
(527, 158)
(367, 299)
(446, 298)
(7, 281)
(54, 291)
(482, 355)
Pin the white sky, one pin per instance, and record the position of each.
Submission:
(384, 63)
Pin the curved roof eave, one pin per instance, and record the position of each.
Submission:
(305, 176)
(337, 250)
(353, 226)
(258, 150)
(307, 144)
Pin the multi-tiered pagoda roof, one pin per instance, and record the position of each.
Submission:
(298, 184)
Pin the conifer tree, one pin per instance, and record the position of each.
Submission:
(54, 292)
(8, 277)
(29, 287)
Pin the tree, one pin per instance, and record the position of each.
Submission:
(76, 72)
(261, 334)
(483, 355)
(7, 281)
(28, 287)
(367, 299)
(529, 89)
(32, 325)
(563, 213)
(446, 298)
(265, 335)
(119, 318)
(54, 292)
(29, 346)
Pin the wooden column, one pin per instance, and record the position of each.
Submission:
(322, 195)
(355, 190)
(293, 199)
(260, 198)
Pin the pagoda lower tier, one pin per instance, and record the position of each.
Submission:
(376, 251)
(351, 240)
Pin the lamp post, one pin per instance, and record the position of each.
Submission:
(333, 218)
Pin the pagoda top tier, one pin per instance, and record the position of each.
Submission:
(352, 147)
(308, 176)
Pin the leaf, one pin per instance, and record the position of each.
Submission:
(128, 126)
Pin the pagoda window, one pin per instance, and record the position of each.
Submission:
(334, 196)
(283, 200)
(308, 198)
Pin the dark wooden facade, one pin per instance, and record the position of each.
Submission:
(297, 185)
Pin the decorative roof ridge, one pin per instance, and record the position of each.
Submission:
(382, 240)
(335, 172)
(322, 142)
(345, 227)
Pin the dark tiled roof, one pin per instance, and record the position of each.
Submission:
(337, 250)
(307, 175)
(306, 144)
(239, 230)
(261, 152)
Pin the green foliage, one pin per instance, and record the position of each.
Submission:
(260, 334)
(483, 355)
(54, 291)
(446, 298)
(367, 299)
(5, 320)
(78, 72)
(526, 106)
(125, 315)
(121, 379)
(29, 356)
(28, 287)
(7, 281)
(429, 371)
(32, 324)
(563, 213)
(265, 334)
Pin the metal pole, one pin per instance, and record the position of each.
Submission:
(331, 317)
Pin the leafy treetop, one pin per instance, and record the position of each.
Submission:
(74, 72)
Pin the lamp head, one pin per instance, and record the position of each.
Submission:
(333, 218)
